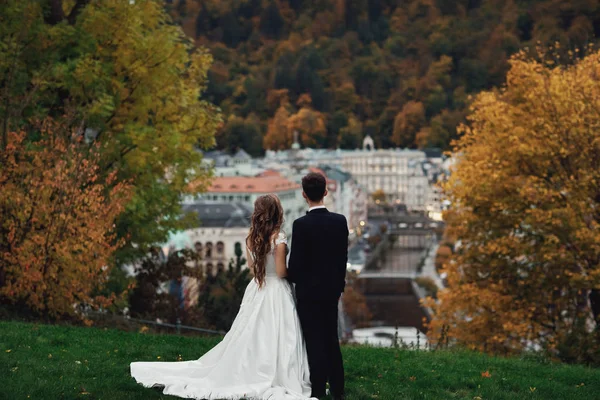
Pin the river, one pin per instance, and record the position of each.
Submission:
(390, 292)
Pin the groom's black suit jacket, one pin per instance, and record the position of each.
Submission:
(319, 255)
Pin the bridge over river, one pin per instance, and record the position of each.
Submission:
(388, 281)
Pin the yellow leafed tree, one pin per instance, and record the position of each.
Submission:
(133, 83)
(526, 214)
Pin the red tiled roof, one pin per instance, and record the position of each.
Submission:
(242, 184)
(269, 172)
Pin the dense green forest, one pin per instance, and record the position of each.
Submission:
(336, 70)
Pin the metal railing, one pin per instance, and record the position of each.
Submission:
(177, 326)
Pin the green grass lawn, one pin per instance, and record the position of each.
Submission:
(58, 362)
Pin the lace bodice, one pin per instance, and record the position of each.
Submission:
(270, 269)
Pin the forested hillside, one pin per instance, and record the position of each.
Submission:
(335, 70)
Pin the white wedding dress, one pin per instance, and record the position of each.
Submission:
(262, 357)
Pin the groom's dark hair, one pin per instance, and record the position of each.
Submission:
(314, 185)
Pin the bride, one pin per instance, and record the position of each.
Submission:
(263, 355)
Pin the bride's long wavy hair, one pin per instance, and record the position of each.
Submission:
(267, 220)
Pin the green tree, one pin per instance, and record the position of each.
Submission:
(233, 32)
(221, 297)
(334, 124)
(154, 272)
(131, 79)
(271, 21)
(284, 77)
(241, 134)
(350, 135)
(309, 81)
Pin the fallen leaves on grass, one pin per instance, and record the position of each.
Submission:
(486, 374)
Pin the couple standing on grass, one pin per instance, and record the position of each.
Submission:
(280, 346)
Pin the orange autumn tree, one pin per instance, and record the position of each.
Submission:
(58, 218)
(309, 124)
(526, 213)
(379, 196)
(408, 124)
(279, 136)
(355, 303)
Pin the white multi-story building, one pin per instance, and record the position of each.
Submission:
(217, 237)
(435, 203)
(239, 164)
(403, 175)
(348, 197)
(398, 173)
(418, 187)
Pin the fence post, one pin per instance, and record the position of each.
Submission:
(178, 325)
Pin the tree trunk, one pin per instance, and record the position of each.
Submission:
(72, 18)
(595, 305)
(57, 14)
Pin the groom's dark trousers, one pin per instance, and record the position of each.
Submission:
(318, 268)
(319, 327)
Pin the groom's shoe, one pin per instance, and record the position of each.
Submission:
(337, 396)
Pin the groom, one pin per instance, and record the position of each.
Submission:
(318, 268)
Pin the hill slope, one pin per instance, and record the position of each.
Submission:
(51, 362)
(400, 71)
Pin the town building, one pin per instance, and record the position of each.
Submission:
(405, 176)
(239, 164)
(347, 197)
(246, 189)
(217, 235)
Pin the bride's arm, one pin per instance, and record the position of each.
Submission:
(250, 260)
(280, 260)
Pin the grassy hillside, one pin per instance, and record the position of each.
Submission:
(57, 362)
